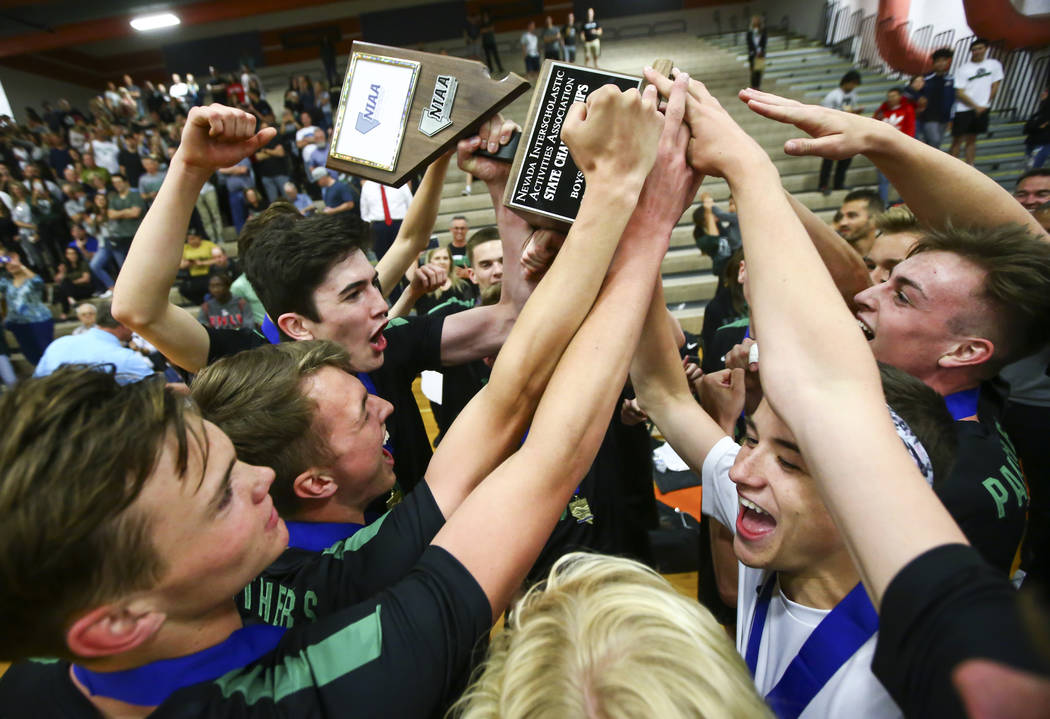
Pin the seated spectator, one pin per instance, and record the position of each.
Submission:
(271, 164)
(253, 204)
(28, 318)
(608, 636)
(76, 205)
(72, 281)
(91, 171)
(1037, 133)
(102, 346)
(716, 232)
(87, 314)
(223, 263)
(151, 179)
(452, 287)
(300, 201)
(239, 178)
(337, 195)
(197, 260)
(223, 311)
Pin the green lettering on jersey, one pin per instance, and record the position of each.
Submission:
(999, 495)
(248, 598)
(285, 604)
(265, 594)
(333, 657)
(309, 602)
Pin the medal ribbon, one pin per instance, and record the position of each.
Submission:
(963, 404)
(830, 645)
(151, 684)
(318, 536)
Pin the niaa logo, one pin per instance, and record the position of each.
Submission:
(366, 121)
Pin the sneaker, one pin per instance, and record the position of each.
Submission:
(106, 295)
(466, 191)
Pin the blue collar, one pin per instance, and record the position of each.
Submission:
(152, 684)
(829, 646)
(963, 404)
(318, 536)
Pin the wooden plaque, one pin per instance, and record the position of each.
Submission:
(545, 185)
(401, 109)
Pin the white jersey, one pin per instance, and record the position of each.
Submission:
(853, 690)
(976, 80)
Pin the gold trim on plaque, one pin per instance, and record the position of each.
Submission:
(345, 94)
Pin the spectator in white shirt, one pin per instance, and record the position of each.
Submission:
(384, 207)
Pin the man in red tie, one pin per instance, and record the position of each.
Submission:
(384, 207)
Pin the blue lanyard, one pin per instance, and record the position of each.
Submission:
(370, 386)
(839, 635)
(153, 683)
(963, 404)
(269, 331)
(318, 536)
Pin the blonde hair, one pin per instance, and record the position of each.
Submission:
(897, 219)
(456, 284)
(609, 637)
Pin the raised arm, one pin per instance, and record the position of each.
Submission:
(481, 331)
(964, 195)
(490, 534)
(846, 267)
(831, 400)
(415, 230)
(215, 136)
(615, 172)
(663, 391)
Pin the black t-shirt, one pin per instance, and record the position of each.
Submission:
(590, 30)
(460, 383)
(272, 166)
(302, 586)
(986, 492)
(413, 345)
(356, 660)
(943, 608)
(223, 343)
(725, 339)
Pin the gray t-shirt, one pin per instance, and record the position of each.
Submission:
(126, 227)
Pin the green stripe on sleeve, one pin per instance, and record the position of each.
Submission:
(314, 666)
(357, 540)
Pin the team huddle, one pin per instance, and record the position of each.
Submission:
(279, 539)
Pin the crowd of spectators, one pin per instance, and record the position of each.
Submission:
(278, 536)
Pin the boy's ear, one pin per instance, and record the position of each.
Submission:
(112, 629)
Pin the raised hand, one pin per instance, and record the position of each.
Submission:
(613, 136)
(672, 184)
(719, 145)
(722, 397)
(540, 250)
(836, 135)
(492, 134)
(428, 278)
(217, 136)
(740, 358)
